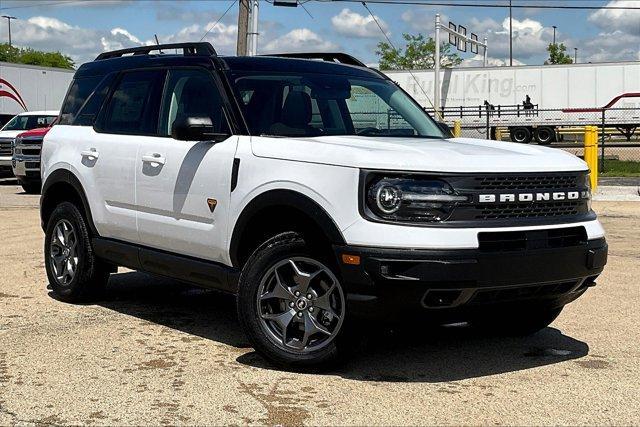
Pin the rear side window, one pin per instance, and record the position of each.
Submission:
(79, 91)
(135, 103)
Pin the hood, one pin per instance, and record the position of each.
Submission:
(414, 154)
(34, 132)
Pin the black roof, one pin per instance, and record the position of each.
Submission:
(232, 63)
(295, 65)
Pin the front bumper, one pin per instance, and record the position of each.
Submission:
(5, 161)
(26, 168)
(455, 284)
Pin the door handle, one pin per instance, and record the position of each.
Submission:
(91, 153)
(154, 158)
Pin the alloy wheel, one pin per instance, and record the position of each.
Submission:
(63, 254)
(300, 304)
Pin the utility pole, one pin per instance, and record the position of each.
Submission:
(510, 36)
(252, 35)
(575, 55)
(554, 34)
(436, 69)
(9, 18)
(243, 27)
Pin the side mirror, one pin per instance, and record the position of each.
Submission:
(445, 129)
(188, 128)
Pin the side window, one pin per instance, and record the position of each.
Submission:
(89, 111)
(134, 104)
(79, 91)
(191, 93)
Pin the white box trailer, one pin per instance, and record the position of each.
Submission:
(31, 88)
(559, 95)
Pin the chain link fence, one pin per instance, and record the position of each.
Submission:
(618, 136)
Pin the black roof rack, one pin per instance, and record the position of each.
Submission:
(199, 49)
(342, 58)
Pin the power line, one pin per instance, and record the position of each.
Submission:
(485, 5)
(415, 79)
(55, 3)
(219, 19)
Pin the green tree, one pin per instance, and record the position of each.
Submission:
(30, 56)
(418, 53)
(557, 54)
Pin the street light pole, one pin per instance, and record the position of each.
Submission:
(510, 36)
(9, 18)
(554, 34)
(436, 69)
(575, 55)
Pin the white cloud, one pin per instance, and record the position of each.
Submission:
(477, 61)
(299, 40)
(626, 20)
(353, 24)
(610, 47)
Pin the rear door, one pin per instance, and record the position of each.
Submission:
(183, 187)
(110, 154)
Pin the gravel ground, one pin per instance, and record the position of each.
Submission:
(157, 352)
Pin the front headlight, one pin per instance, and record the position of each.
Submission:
(416, 199)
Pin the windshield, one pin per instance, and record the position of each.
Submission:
(318, 104)
(28, 122)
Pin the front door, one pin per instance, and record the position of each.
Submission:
(183, 187)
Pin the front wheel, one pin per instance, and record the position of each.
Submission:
(74, 272)
(517, 322)
(291, 304)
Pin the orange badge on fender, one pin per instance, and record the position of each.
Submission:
(212, 203)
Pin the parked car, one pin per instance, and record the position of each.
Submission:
(18, 124)
(26, 158)
(313, 188)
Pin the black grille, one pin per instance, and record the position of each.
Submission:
(527, 210)
(526, 182)
(5, 147)
(510, 294)
(500, 241)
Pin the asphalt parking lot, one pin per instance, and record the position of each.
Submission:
(158, 352)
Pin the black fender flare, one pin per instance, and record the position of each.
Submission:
(67, 177)
(284, 198)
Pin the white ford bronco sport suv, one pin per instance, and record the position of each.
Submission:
(312, 187)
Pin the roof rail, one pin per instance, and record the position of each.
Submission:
(200, 49)
(342, 58)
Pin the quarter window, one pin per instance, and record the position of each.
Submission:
(191, 93)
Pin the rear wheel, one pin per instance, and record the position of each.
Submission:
(521, 135)
(291, 304)
(517, 322)
(545, 135)
(74, 272)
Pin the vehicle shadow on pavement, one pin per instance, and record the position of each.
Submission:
(441, 354)
(201, 312)
(423, 354)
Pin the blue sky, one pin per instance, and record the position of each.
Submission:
(84, 28)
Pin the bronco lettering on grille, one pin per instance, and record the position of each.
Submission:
(533, 197)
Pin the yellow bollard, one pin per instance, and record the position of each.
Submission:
(457, 128)
(591, 153)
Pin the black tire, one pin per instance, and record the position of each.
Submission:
(545, 135)
(521, 135)
(30, 187)
(272, 253)
(517, 322)
(90, 274)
